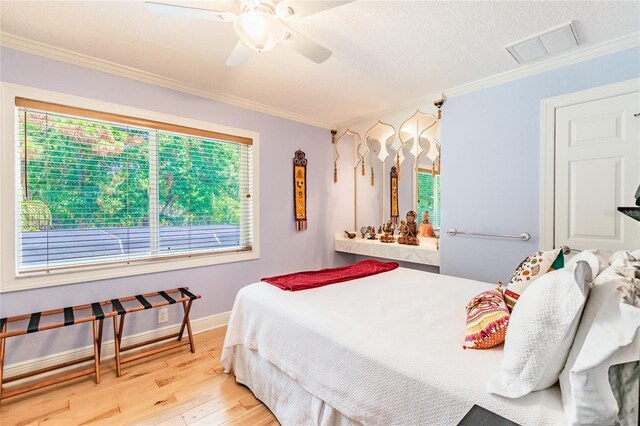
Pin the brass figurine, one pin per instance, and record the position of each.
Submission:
(364, 231)
(409, 230)
(372, 233)
(402, 228)
(426, 228)
(389, 228)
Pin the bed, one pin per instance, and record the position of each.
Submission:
(380, 350)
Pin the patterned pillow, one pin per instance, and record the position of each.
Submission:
(487, 320)
(532, 268)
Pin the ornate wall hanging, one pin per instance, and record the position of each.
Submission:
(394, 195)
(300, 189)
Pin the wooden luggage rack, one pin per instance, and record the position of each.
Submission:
(186, 298)
(96, 316)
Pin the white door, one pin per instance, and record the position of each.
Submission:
(597, 170)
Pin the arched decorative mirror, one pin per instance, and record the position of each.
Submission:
(355, 138)
(428, 176)
(378, 140)
(414, 134)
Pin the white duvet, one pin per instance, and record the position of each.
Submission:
(381, 350)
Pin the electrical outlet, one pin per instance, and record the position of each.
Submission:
(163, 315)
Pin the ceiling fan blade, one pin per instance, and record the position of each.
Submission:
(306, 47)
(297, 8)
(240, 55)
(189, 12)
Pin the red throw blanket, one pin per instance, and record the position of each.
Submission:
(312, 279)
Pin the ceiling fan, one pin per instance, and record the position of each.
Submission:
(261, 25)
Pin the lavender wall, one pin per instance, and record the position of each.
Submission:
(491, 164)
(282, 249)
(490, 182)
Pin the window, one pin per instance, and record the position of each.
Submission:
(98, 189)
(429, 196)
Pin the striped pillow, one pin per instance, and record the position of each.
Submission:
(487, 320)
(532, 268)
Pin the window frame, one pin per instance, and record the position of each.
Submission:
(10, 280)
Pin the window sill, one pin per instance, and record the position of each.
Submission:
(101, 272)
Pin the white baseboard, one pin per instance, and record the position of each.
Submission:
(108, 349)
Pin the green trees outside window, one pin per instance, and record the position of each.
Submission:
(119, 185)
(429, 196)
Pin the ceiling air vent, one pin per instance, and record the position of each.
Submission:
(547, 43)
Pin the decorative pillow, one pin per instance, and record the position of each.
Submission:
(628, 271)
(487, 320)
(541, 331)
(532, 268)
(591, 257)
(621, 256)
(608, 335)
(603, 257)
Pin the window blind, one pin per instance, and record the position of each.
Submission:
(98, 188)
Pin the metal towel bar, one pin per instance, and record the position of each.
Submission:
(525, 236)
(566, 250)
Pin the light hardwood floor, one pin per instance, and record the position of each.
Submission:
(172, 388)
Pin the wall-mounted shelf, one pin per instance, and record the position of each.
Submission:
(426, 253)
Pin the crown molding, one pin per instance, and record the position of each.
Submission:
(559, 61)
(582, 54)
(563, 60)
(374, 116)
(46, 50)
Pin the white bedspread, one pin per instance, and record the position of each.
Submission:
(382, 350)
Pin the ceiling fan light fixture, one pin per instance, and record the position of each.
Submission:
(260, 31)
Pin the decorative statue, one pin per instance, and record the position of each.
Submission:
(372, 233)
(350, 235)
(364, 231)
(426, 229)
(388, 229)
(402, 228)
(409, 235)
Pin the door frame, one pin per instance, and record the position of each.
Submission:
(548, 146)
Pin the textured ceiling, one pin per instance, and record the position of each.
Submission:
(385, 54)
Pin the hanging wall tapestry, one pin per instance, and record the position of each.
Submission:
(300, 189)
(394, 195)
